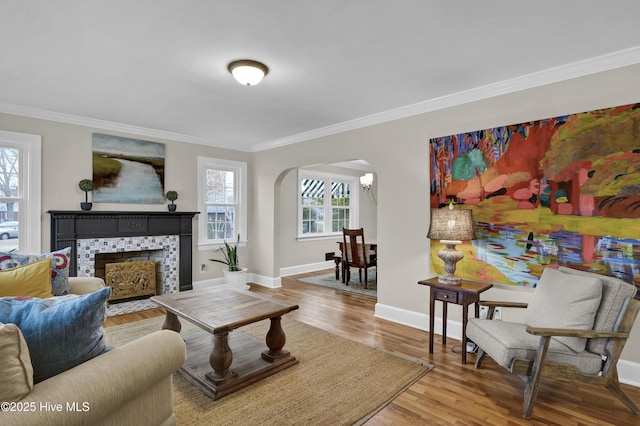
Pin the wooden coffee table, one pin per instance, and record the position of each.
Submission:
(218, 310)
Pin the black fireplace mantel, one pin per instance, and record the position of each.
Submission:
(68, 226)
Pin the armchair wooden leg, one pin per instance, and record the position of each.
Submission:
(480, 357)
(614, 387)
(531, 388)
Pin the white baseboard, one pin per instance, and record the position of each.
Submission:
(270, 282)
(309, 267)
(254, 278)
(402, 316)
(207, 283)
(628, 372)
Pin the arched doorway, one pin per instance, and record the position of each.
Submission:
(296, 252)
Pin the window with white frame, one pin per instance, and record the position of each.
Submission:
(222, 200)
(20, 170)
(327, 203)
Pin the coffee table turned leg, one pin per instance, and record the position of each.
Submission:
(171, 322)
(221, 359)
(275, 341)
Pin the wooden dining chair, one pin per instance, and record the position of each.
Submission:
(356, 254)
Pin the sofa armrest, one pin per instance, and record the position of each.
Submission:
(102, 385)
(85, 285)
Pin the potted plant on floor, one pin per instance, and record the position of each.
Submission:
(234, 276)
(86, 185)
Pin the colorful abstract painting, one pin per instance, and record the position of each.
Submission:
(559, 191)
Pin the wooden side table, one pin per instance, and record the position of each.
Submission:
(466, 293)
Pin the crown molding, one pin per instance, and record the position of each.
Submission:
(106, 125)
(577, 69)
(586, 67)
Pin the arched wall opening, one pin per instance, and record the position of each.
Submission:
(297, 255)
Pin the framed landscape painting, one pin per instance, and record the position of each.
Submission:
(127, 170)
(559, 191)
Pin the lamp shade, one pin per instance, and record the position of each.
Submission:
(366, 180)
(248, 72)
(451, 224)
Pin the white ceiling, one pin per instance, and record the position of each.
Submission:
(160, 66)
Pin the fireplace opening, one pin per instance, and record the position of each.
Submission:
(132, 275)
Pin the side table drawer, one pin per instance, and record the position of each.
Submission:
(449, 296)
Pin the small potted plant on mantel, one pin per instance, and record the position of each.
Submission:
(171, 196)
(234, 276)
(86, 185)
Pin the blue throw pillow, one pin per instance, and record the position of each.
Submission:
(61, 332)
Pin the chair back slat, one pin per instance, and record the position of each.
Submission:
(355, 247)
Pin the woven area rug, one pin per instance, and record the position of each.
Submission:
(329, 280)
(336, 382)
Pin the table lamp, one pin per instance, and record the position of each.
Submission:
(451, 226)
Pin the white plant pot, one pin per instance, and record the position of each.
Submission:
(236, 279)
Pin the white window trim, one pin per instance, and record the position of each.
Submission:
(354, 197)
(240, 168)
(30, 190)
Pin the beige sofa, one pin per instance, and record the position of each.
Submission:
(129, 385)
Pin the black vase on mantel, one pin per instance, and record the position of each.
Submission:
(172, 207)
(86, 206)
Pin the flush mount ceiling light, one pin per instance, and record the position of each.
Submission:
(248, 72)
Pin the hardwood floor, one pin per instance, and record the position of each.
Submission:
(451, 393)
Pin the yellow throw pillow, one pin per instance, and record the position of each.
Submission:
(16, 374)
(32, 279)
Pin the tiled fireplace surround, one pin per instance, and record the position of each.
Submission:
(164, 249)
(161, 236)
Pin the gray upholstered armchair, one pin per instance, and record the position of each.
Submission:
(575, 328)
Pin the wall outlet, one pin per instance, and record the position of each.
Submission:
(497, 315)
(203, 267)
(484, 310)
